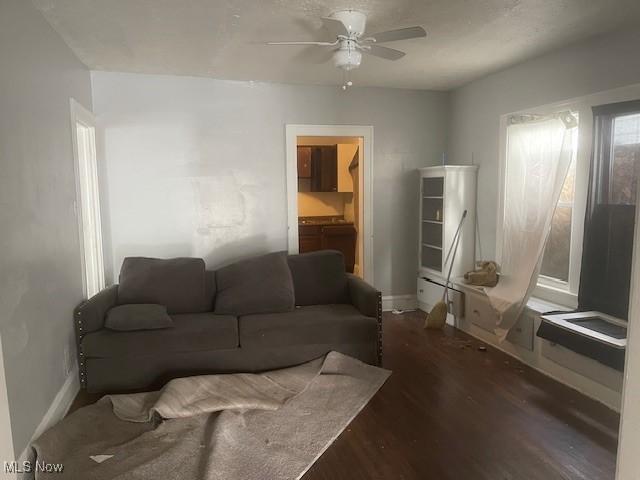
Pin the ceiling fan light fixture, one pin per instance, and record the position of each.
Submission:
(347, 58)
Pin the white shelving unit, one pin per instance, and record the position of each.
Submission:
(445, 192)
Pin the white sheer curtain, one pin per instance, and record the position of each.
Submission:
(539, 151)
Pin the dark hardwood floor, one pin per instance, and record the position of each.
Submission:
(452, 412)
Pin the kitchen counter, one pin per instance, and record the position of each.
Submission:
(323, 221)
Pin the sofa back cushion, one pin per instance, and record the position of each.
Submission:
(180, 284)
(319, 278)
(257, 285)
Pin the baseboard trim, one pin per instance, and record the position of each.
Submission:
(581, 387)
(399, 302)
(56, 412)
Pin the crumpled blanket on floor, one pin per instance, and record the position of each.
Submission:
(272, 425)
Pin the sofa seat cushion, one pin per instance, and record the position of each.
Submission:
(138, 316)
(190, 333)
(315, 324)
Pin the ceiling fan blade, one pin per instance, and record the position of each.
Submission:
(322, 44)
(384, 52)
(335, 27)
(400, 34)
(314, 56)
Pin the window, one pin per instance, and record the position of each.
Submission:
(540, 147)
(87, 198)
(605, 280)
(609, 135)
(556, 262)
(559, 276)
(625, 169)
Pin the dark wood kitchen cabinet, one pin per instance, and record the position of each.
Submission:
(304, 162)
(342, 238)
(324, 169)
(309, 238)
(329, 237)
(320, 165)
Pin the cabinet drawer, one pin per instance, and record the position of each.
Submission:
(522, 332)
(480, 312)
(309, 230)
(338, 230)
(430, 292)
(309, 243)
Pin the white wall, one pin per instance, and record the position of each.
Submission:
(599, 64)
(196, 166)
(41, 278)
(322, 204)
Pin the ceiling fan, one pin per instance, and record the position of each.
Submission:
(348, 26)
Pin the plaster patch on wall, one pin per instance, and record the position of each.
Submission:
(225, 212)
(219, 203)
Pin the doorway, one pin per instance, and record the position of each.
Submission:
(83, 132)
(329, 192)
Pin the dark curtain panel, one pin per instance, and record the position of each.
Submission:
(605, 277)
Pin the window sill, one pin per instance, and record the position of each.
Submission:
(541, 306)
(557, 296)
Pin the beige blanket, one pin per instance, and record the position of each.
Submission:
(243, 426)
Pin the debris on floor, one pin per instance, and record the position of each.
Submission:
(100, 458)
(399, 311)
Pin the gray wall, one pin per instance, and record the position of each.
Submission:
(197, 166)
(41, 279)
(601, 63)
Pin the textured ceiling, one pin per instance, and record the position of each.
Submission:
(225, 38)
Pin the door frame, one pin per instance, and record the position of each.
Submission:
(365, 204)
(84, 117)
(628, 461)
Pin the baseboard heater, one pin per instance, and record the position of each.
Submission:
(593, 334)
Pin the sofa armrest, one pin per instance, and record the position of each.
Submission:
(368, 301)
(363, 296)
(89, 315)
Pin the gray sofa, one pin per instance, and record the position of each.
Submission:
(215, 327)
